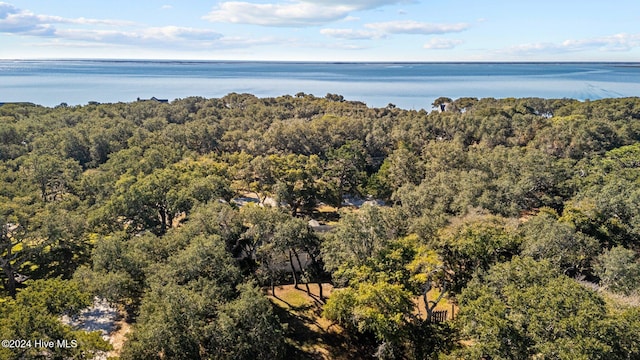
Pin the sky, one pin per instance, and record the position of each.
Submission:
(322, 30)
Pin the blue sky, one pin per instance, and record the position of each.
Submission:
(323, 30)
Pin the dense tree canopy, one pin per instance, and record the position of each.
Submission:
(522, 213)
(526, 309)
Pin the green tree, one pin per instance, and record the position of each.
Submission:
(12, 254)
(256, 244)
(577, 136)
(118, 268)
(204, 259)
(521, 180)
(525, 309)
(35, 315)
(63, 241)
(209, 188)
(216, 218)
(178, 311)
(621, 328)
(52, 175)
(298, 181)
(464, 104)
(474, 243)
(247, 328)
(442, 100)
(608, 211)
(619, 270)
(380, 300)
(150, 202)
(403, 167)
(449, 192)
(345, 169)
(381, 309)
(275, 242)
(171, 324)
(294, 237)
(570, 251)
(294, 180)
(358, 237)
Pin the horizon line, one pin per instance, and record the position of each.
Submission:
(332, 61)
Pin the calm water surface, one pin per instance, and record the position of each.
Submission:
(407, 85)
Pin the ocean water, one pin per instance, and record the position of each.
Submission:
(407, 85)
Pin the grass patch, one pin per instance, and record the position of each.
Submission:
(324, 208)
(444, 304)
(309, 335)
(290, 298)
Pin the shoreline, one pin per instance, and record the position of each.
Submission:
(338, 62)
(160, 102)
(404, 84)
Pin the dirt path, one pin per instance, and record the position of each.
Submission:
(102, 316)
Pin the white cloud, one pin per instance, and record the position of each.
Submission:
(157, 36)
(415, 27)
(17, 21)
(14, 20)
(352, 34)
(384, 29)
(351, 18)
(294, 14)
(359, 4)
(6, 9)
(297, 13)
(617, 42)
(442, 44)
(243, 42)
(166, 7)
(179, 33)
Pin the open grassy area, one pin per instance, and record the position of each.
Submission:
(443, 305)
(311, 336)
